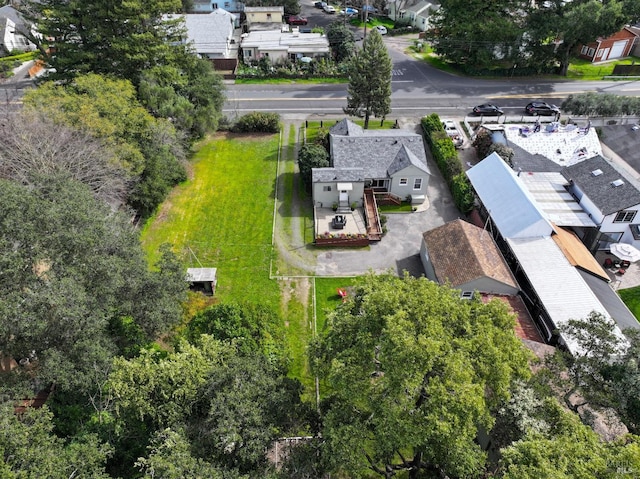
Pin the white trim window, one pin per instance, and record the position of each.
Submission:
(625, 216)
(403, 181)
(417, 184)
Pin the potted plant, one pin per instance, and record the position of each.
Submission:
(334, 206)
(353, 206)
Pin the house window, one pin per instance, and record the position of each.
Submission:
(268, 16)
(417, 184)
(378, 183)
(591, 52)
(625, 216)
(214, 6)
(247, 53)
(403, 181)
(466, 295)
(607, 239)
(600, 51)
(584, 49)
(226, 5)
(326, 188)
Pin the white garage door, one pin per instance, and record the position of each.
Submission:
(617, 49)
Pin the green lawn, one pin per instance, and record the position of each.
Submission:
(580, 69)
(327, 298)
(223, 217)
(631, 298)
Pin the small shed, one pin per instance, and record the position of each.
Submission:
(203, 280)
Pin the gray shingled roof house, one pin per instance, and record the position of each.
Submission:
(14, 31)
(392, 161)
(611, 197)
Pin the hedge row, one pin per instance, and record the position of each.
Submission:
(446, 157)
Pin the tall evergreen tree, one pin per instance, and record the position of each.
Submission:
(369, 71)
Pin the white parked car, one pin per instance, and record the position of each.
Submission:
(349, 12)
(452, 131)
(382, 30)
(329, 9)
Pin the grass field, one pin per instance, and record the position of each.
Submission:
(631, 298)
(327, 298)
(580, 69)
(223, 216)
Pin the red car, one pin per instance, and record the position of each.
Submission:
(297, 20)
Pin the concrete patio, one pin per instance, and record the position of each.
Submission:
(355, 222)
(631, 277)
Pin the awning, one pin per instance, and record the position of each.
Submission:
(345, 186)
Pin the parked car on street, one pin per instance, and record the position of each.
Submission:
(541, 108)
(349, 12)
(452, 131)
(329, 9)
(297, 20)
(382, 30)
(319, 5)
(487, 109)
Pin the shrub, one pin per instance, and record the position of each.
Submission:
(505, 152)
(258, 122)
(462, 192)
(482, 143)
(310, 156)
(431, 123)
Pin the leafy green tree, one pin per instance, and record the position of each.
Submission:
(505, 152)
(572, 24)
(603, 373)
(369, 72)
(478, 34)
(71, 268)
(413, 371)
(231, 405)
(568, 450)
(29, 448)
(341, 41)
(149, 149)
(170, 457)
(110, 37)
(254, 328)
(601, 104)
(311, 156)
(188, 91)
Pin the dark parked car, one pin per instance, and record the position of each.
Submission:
(541, 108)
(297, 20)
(487, 109)
(319, 5)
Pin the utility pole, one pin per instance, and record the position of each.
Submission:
(366, 18)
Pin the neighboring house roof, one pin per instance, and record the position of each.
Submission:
(292, 42)
(209, 32)
(599, 188)
(558, 205)
(559, 285)
(380, 153)
(264, 9)
(422, 7)
(461, 252)
(12, 14)
(577, 254)
(611, 301)
(511, 206)
(564, 145)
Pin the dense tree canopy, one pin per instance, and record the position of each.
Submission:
(530, 36)
(341, 41)
(369, 72)
(71, 271)
(111, 37)
(414, 371)
(149, 149)
(29, 448)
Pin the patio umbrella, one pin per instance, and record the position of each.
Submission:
(625, 252)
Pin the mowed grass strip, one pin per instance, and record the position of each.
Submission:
(223, 216)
